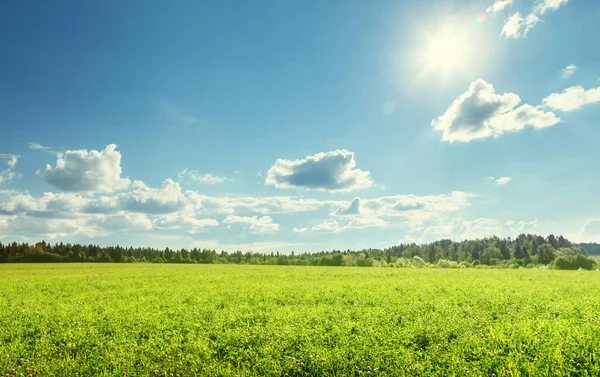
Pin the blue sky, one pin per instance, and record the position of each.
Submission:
(281, 125)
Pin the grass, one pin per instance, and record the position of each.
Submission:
(222, 320)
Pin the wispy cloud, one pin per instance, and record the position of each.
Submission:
(568, 71)
(7, 175)
(500, 181)
(204, 178)
(499, 5)
(517, 26)
(177, 114)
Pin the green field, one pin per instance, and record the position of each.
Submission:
(222, 320)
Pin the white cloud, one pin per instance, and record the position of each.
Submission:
(8, 174)
(166, 199)
(545, 5)
(355, 223)
(30, 227)
(573, 98)
(184, 220)
(40, 147)
(203, 178)
(512, 27)
(353, 209)
(327, 226)
(257, 225)
(501, 181)
(591, 228)
(499, 5)
(300, 230)
(481, 113)
(262, 205)
(461, 229)
(124, 222)
(87, 171)
(516, 26)
(568, 71)
(331, 171)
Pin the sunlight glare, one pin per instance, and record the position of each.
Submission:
(444, 52)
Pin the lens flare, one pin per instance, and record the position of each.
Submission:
(480, 19)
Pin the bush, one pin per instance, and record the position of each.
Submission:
(443, 263)
(576, 262)
(417, 261)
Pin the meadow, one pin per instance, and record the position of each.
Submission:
(241, 320)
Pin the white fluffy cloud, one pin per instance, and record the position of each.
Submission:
(331, 171)
(499, 5)
(256, 225)
(8, 174)
(87, 171)
(480, 113)
(573, 98)
(300, 230)
(517, 26)
(203, 178)
(166, 199)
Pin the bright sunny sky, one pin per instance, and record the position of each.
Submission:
(298, 125)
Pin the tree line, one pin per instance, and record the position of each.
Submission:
(526, 250)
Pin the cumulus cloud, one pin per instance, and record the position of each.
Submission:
(256, 225)
(87, 171)
(499, 5)
(353, 209)
(166, 199)
(517, 26)
(568, 71)
(29, 227)
(300, 230)
(8, 174)
(331, 171)
(203, 178)
(481, 113)
(573, 98)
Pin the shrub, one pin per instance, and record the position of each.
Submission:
(443, 263)
(417, 261)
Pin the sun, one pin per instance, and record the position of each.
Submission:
(444, 52)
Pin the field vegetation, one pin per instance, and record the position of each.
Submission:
(84, 319)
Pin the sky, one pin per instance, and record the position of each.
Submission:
(298, 125)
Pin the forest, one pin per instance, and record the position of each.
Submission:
(526, 250)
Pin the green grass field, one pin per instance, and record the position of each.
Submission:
(226, 320)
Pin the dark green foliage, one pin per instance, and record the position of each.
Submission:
(525, 250)
(591, 248)
(574, 262)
